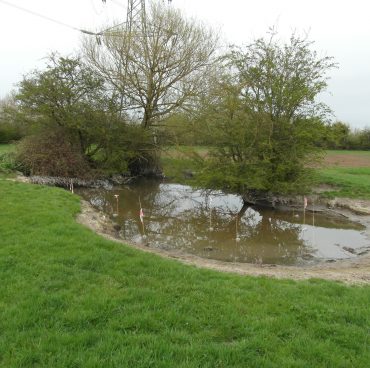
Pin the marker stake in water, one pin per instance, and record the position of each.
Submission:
(210, 214)
(117, 205)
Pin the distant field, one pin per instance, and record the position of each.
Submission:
(6, 147)
(333, 158)
(185, 151)
(347, 158)
(347, 172)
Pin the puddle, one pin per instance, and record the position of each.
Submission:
(217, 226)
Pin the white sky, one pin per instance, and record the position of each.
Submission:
(339, 28)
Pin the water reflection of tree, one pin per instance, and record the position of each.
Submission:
(265, 237)
(100, 198)
(275, 238)
(178, 217)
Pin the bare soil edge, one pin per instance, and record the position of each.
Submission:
(351, 271)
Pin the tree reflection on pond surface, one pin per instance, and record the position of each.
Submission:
(217, 225)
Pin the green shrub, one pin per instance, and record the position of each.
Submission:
(10, 133)
(8, 162)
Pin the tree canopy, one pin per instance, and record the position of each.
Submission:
(76, 123)
(157, 67)
(264, 117)
(69, 95)
(257, 106)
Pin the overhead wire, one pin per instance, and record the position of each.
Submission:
(39, 15)
(56, 21)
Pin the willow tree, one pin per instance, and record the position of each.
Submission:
(266, 119)
(156, 67)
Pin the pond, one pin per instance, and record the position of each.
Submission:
(216, 225)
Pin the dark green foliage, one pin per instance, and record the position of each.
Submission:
(67, 95)
(78, 128)
(8, 162)
(340, 136)
(11, 125)
(185, 129)
(129, 148)
(68, 106)
(70, 298)
(337, 135)
(358, 139)
(10, 133)
(264, 119)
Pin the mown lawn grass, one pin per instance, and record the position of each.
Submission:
(69, 298)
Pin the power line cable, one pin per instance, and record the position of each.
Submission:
(48, 18)
(110, 28)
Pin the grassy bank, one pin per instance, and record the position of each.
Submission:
(346, 182)
(348, 172)
(72, 299)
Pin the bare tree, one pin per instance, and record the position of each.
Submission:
(158, 66)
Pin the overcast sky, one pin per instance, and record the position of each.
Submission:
(339, 28)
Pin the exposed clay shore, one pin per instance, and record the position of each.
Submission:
(351, 271)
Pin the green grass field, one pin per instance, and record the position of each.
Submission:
(346, 182)
(348, 172)
(72, 299)
(4, 148)
(349, 153)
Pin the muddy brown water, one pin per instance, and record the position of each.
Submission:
(216, 225)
